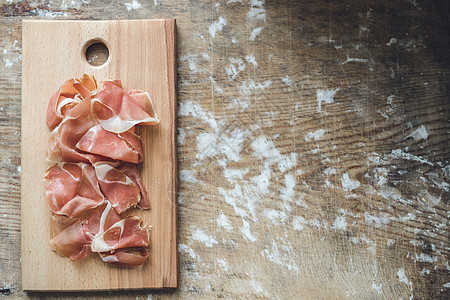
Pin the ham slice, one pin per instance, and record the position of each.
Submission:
(132, 172)
(118, 111)
(118, 188)
(72, 188)
(126, 233)
(125, 146)
(72, 242)
(69, 95)
(127, 257)
(67, 134)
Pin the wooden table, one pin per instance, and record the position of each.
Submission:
(313, 143)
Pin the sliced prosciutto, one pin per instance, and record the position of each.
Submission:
(125, 146)
(132, 172)
(127, 257)
(72, 188)
(126, 233)
(94, 177)
(118, 111)
(69, 94)
(72, 242)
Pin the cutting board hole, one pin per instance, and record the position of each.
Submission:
(96, 52)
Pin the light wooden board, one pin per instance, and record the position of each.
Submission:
(142, 55)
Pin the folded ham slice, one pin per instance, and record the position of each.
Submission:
(72, 188)
(125, 146)
(118, 188)
(127, 257)
(72, 242)
(118, 111)
(69, 94)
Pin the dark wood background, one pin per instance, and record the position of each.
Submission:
(312, 149)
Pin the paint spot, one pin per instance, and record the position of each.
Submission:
(281, 253)
(298, 223)
(217, 26)
(419, 134)
(200, 236)
(357, 60)
(133, 5)
(402, 277)
(223, 264)
(255, 33)
(275, 216)
(222, 221)
(377, 288)
(392, 41)
(188, 176)
(257, 11)
(245, 230)
(316, 135)
(251, 59)
(189, 251)
(256, 286)
(288, 192)
(326, 96)
(236, 66)
(339, 223)
(349, 184)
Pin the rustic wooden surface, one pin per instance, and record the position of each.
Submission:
(312, 146)
(48, 52)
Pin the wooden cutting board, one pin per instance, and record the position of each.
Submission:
(142, 56)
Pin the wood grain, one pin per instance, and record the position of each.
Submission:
(141, 55)
(392, 226)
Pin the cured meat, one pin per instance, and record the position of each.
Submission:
(127, 257)
(125, 146)
(126, 233)
(118, 188)
(132, 172)
(118, 111)
(94, 176)
(69, 94)
(72, 188)
(72, 242)
(67, 134)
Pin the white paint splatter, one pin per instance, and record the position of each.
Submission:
(133, 5)
(256, 286)
(288, 192)
(287, 162)
(298, 223)
(19, 169)
(424, 271)
(419, 134)
(222, 221)
(392, 41)
(326, 96)
(188, 176)
(200, 236)
(263, 180)
(390, 242)
(377, 288)
(275, 216)
(339, 223)
(255, 33)
(281, 253)
(192, 108)
(316, 135)
(446, 285)
(287, 80)
(251, 59)
(189, 251)
(236, 66)
(223, 264)
(217, 26)
(402, 277)
(399, 153)
(389, 99)
(382, 219)
(349, 184)
(181, 136)
(357, 60)
(245, 230)
(206, 145)
(257, 11)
